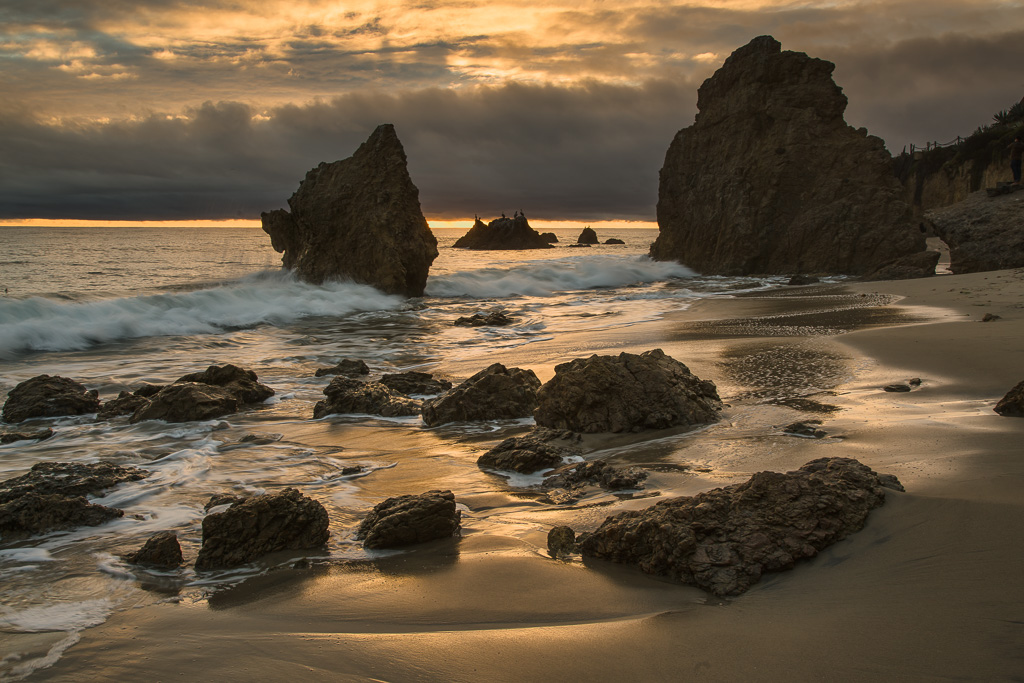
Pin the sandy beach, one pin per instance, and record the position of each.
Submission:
(928, 590)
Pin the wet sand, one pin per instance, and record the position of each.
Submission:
(930, 589)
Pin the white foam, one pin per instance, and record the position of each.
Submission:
(26, 555)
(62, 616)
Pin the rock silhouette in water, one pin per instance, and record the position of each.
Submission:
(771, 180)
(360, 219)
(503, 233)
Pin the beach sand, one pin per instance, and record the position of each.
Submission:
(930, 589)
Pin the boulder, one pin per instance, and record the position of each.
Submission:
(807, 428)
(725, 539)
(1012, 405)
(562, 541)
(126, 403)
(69, 479)
(502, 233)
(217, 391)
(494, 393)
(243, 384)
(35, 513)
(40, 435)
(161, 550)
(982, 234)
(614, 240)
(405, 520)
(349, 367)
(549, 237)
(345, 396)
(527, 454)
(587, 236)
(596, 473)
(358, 219)
(409, 383)
(625, 393)
(260, 525)
(492, 319)
(46, 396)
(771, 180)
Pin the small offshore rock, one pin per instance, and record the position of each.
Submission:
(562, 541)
(243, 384)
(502, 233)
(260, 525)
(406, 520)
(494, 393)
(896, 388)
(588, 236)
(346, 396)
(350, 367)
(420, 383)
(46, 396)
(549, 237)
(187, 402)
(40, 435)
(989, 317)
(527, 454)
(160, 550)
(493, 319)
(613, 240)
(1012, 405)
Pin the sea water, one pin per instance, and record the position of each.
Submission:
(113, 308)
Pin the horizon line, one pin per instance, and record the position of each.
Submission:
(435, 223)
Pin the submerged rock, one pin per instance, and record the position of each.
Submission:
(359, 219)
(625, 393)
(587, 236)
(69, 479)
(409, 383)
(349, 367)
(160, 550)
(502, 233)
(771, 180)
(405, 520)
(46, 396)
(346, 396)
(261, 525)
(725, 539)
(492, 319)
(35, 513)
(40, 435)
(1012, 405)
(494, 393)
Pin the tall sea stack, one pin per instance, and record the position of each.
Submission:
(771, 180)
(359, 219)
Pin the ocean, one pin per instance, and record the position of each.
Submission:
(114, 308)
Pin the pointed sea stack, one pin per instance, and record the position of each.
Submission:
(771, 180)
(359, 219)
(503, 233)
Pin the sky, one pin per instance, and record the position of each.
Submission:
(176, 110)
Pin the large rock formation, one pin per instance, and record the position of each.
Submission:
(771, 180)
(359, 219)
(625, 393)
(503, 233)
(983, 233)
(46, 396)
(723, 540)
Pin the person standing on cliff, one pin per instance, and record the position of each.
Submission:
(1016, 151)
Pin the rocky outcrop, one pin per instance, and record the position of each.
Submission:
(588, 236)
(420, 383)
(1012, 405)
(35, 513)
(349, 367)
(725, 539)
(502, 233)
(549, 237)
(346, 396)
(46, 396)
(983, 233)
(562, 542)
(161, 550)
(625, 393)
(614, 240)
(596, 473)
(359, 219)
(126, 403)
(405, 520)
(771, 180)
(39, 435)
(260, 525)
(918, 264)
(217, 391)
(528, 453)
(492, 319)
(494, 393)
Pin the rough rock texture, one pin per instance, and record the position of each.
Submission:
(1012, 405)
(492, 319)
(982, 233)
(69, 479)
(40, 435)
(494, 393)
(409, 383)
(918, 264)
(771, 180)
(219, 390)
(358, 219)
(259, 525)
(160, 550)
(625, 393)
(724, 540)
(349, 367)
(502, 233)
(562, 541)
(807, 428)
(597, 473)
(369, 398)
(126, 403)
(46, 396)
(35, 513)
(241, 383)
(587, 236)
(528, 453)
(405, 520)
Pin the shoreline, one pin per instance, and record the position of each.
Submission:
(928, 589)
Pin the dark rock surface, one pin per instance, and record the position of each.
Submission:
(39, 435)
(241, 383)
(799, 280)
(528, 453)
(587, 236)
(549, 237)
(771, 180)
(896, 388)
(494, 393)
(613, 240)
(126, 403)
(46, 396)
(160, 550)
(260, 525)
(492, 319)
(562, 541)
(807, 428)
(409, 383)
(918, 264)
(360, 219)
(219, 499)
(596, 473)
(349, 367)
(502, 233)
(725, 539)
(69, 479)
(35, 513)
(982, 233)
(405, 520)
(625, 393)
(1012, 405)
(346, 396)
(217, 391)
